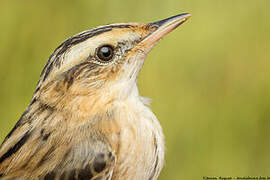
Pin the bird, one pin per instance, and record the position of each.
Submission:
(86, 119)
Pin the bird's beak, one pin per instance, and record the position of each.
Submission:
(159, 29)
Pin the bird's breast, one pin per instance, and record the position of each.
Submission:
(137, 139)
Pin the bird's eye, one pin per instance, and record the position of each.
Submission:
(105, 53)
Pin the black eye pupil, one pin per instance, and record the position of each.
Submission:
(105, 53)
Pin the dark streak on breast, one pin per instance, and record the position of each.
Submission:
(50, 176)
(16, 147)
(99, 163)
(85, 174)
(46, 136)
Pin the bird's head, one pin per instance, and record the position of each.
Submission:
(103, 61)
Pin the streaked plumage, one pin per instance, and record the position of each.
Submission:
(86, 119)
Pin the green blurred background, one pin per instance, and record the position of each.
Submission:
(209, 79)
